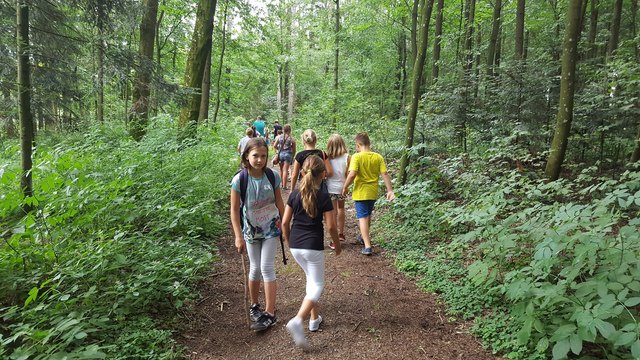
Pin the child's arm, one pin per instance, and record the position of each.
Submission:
(348, 181)
(327, 165)
(387, 183)
(286, 223)
(235, 220)
(295, 173)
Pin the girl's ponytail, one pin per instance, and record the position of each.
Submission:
(313, 169)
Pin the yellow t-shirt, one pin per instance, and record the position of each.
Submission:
(369, 165)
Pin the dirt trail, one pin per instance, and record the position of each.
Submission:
(370, 311)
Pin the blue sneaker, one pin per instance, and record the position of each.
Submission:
(264, 322)
(255, 312)
(367, 251)
(359, 239)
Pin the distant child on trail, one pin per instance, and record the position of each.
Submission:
(259, 228)
(309, 140)
(364, 171)
(260, 126)
(286, 146)
(339, 159)
(243, 142)
(303, 230)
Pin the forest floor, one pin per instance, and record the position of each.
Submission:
(369, 310)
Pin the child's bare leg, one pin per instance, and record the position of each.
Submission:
(341, 216)
(307, 308)
(254, 290)
(270, 297)
(364, 224)
(313, 312)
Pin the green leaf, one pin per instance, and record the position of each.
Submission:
(632, 301)
(625, 339)
(33, 294)
(635, 349)
(576, 344)
(606, 328)
(543, 345)
(561, 349)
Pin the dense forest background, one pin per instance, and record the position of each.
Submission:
(511, 128)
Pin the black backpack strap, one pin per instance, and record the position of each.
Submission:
(244, 181)
(271, 177)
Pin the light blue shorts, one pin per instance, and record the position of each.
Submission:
(364, 208)
(285, 156)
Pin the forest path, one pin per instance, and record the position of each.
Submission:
(370, 311)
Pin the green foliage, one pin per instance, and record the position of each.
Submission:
(120, 236)
(555, 263)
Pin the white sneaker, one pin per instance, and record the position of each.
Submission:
(315, 324)
(294, 327)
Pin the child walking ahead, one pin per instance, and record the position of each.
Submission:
(260, 227)
(308, 206)
(309, 140)
(339, 159)
(364, 171)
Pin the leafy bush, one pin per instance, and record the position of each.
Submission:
(556, 262)
(121, 233)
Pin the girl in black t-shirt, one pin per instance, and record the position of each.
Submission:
(303, 230)
(309, 140)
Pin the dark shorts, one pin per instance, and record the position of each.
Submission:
(286, 157)
(337, 197)
(364, 208)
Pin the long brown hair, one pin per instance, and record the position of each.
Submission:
(336, 146)
(313, 170)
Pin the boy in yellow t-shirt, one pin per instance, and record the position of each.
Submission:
(365, 168)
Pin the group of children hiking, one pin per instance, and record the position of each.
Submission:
(259, 217)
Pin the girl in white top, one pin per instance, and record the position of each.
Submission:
(339, 159)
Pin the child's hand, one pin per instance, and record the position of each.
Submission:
(390, 195)
(239, 244)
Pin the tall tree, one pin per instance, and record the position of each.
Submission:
(435, 70)
(24, 98)
(493, 41)
(139, 112)
(206, 91)
(335, 68)
(196, 62)
(636, 152)
(593, 29)
(519, 53)
(567, 89)
(614, 33)
(221, 61)
(416, 81)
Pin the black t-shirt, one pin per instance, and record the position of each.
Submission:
(307, 232)
(276, 128)
(304, 154)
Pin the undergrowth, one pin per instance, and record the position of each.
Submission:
(545, 269)
(121, 233)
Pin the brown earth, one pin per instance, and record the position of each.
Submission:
(370, 311)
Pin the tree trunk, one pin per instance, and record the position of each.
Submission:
(335, 69)
(139, 112)
(519, 52)
(612, 46)
(416, 81)
(196, 62)
(401, 70)
(593, 29)
(291, 102)
(203, 116)
(100, 65)
(634, 29)
(435, 70)
(414, 30)
(221, 62)
(153, 103)
(567, 88)
(493, 42)
(24, 100)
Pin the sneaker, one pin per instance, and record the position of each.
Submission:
(341, 237)
(294, 327)
(255, 312)
(314, 325)
(332, 246)
(359, 239)
(366, 251)
(264, 322)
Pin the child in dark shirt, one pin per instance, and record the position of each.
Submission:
(303, 230)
